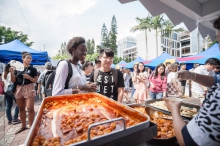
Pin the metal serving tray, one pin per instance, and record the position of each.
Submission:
(148, 102)
(104, 139)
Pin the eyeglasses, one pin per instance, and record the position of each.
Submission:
(108, 58)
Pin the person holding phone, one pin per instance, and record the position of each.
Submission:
(25, 91)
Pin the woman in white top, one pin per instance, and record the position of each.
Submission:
(9, 98)
(76, 47)
(173, 84)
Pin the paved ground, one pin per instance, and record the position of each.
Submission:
(7, 132)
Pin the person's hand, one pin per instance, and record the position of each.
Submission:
(90, 87)
(172, 104)
(152, 85)
(12, 69)
(184, 75)
(26, 76)
(38, 92)
(180, 93)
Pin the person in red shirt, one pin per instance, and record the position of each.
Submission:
(158, 82)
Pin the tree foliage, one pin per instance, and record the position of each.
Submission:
(98, 48)
(109, 39)
(113, 35)
(105, 39)
(92, 57)
(11, 35)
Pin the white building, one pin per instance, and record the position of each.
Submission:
(147, 49)
(126, 47)
(190, 43)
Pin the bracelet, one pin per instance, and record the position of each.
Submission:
(194, 76)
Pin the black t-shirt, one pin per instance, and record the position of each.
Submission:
(31, 71)
(106, 84)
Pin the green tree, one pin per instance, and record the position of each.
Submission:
(60, 56)
(92, 46)
(92, 57)
(143, 25)
(113, 35)
(104, 34)
(88, 45)
(167, 30)
(157, 24)
(98, 48)
(11, 35)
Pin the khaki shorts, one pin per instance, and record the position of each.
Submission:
(25, 91)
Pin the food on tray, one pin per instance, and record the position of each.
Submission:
(184, 111)
(140, 109)
(164, 127)
(66, 121)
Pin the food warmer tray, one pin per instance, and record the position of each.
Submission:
(111, 138)
(148, 102)
(157, 141)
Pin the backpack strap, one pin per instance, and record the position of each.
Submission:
(70, 73)
(115, 76)
(95, 76)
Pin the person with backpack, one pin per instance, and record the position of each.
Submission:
(25, 90)
(41, 91)
(109, 81)
(158, 82)
(68, 74)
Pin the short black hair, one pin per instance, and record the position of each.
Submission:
(181, 64)
(216, 23)
(107, 51)
(74, 43)
(25, 53)
(177, 63)
(212, 61)
(97, 60)
(86, 64)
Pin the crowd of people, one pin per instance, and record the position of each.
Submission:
(162, 82)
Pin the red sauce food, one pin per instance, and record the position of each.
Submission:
(66, 121)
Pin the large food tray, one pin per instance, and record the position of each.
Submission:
(104, 139)
(148, 102)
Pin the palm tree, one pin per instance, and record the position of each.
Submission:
(167, 30)
(143, 25)
(157, 24)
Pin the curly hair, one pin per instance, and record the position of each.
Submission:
(216, 23)
(74, 43)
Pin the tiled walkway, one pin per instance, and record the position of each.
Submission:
(9, 131)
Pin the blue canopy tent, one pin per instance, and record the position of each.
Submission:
(12, 51)
(120, 64)
(161, 59)
(200, 58)
(131, 64)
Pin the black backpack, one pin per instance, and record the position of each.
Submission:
(50, 77)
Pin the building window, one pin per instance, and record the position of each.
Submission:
(174, 36)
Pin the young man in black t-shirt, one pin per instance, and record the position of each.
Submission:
(109, 81)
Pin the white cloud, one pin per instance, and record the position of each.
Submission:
(51, 22)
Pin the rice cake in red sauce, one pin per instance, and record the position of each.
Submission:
(68, 120)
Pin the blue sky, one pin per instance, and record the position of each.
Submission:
(52, 22)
